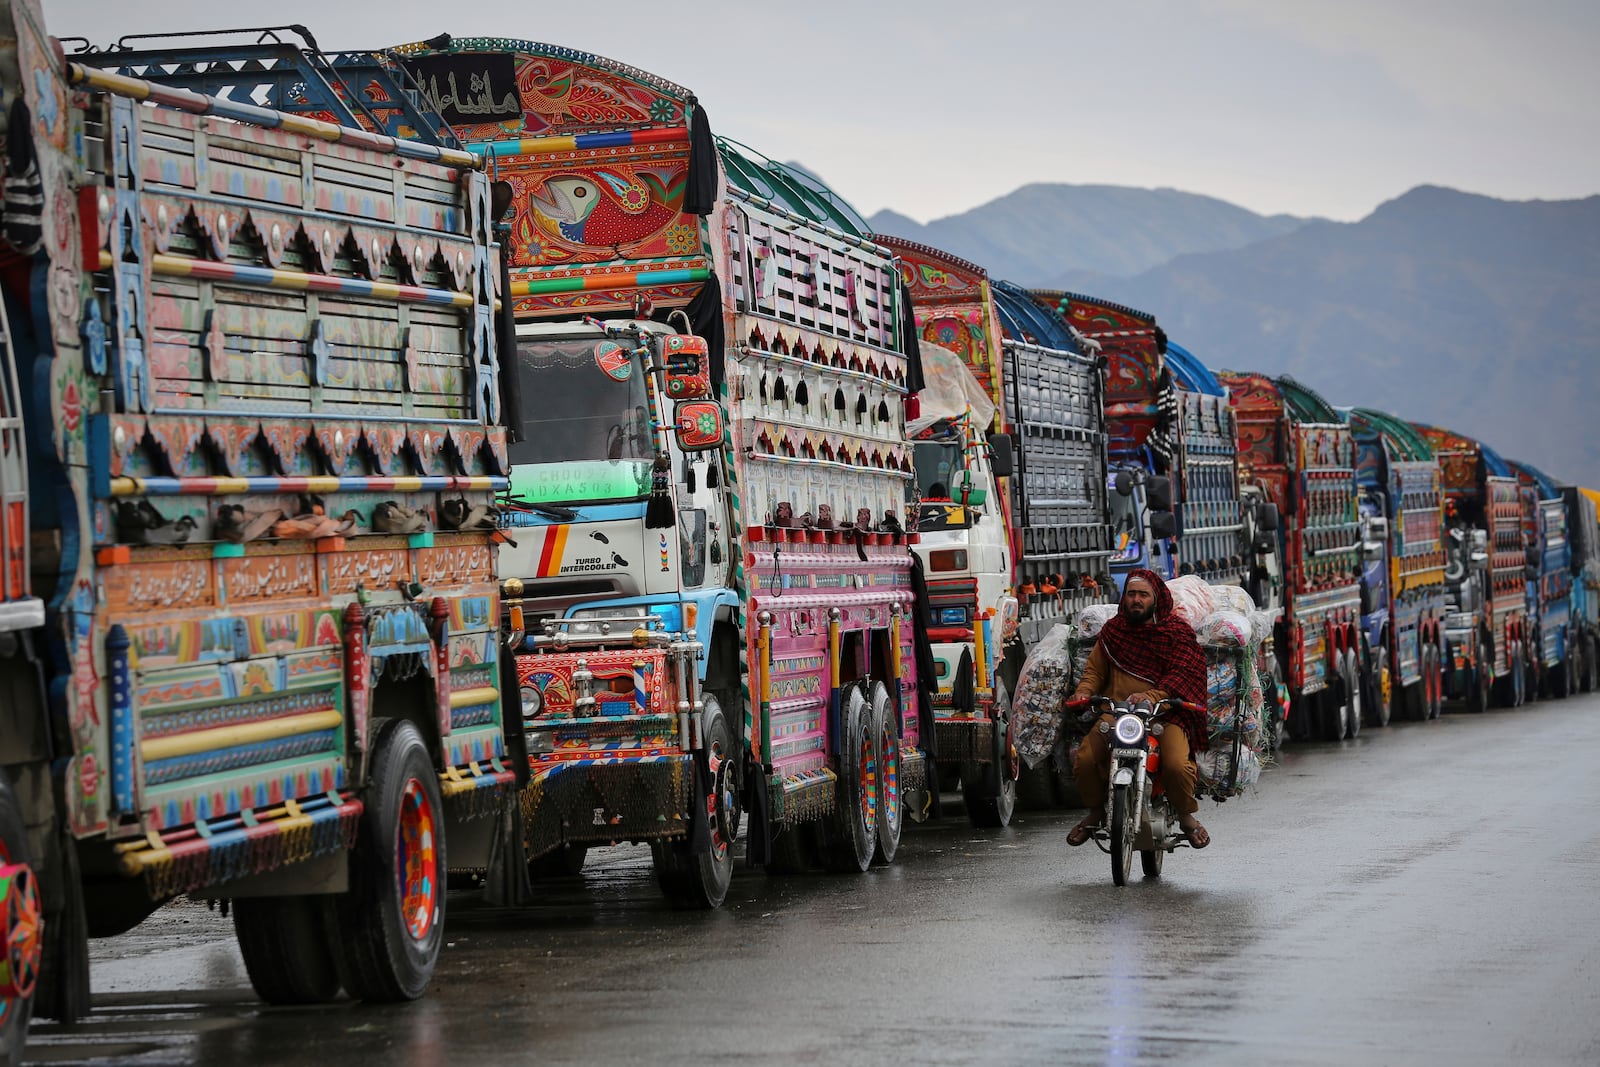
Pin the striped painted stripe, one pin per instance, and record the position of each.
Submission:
(550, 554)
(321, 483)
(538, 146)
(298, 281)
(619, 280)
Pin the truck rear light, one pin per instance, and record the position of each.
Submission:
(950, 559)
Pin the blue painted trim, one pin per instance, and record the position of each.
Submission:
(117, 644)
(591, 513)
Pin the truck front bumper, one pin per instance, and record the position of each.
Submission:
(601, 800)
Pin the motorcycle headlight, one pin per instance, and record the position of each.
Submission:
(532, 702)
(1129, 729)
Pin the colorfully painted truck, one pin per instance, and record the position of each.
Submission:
(1548, 544)
(1403, 565)
(250, 637)
(709, 576)
(1176, 505)
(1299, 455)
(1583, 530)
(1487, 630)
(1144, 526)
(1039, 464)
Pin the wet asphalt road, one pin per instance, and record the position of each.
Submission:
(1425, 894)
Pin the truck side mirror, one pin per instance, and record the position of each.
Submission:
(1002, 459)
(1123, 483)
(1158, 494)
(1163, 524)
(1267, 516)
(688, 367)
(698, 425)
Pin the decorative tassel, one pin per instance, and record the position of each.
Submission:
(688, 476)
(658, 513)
(714, 473)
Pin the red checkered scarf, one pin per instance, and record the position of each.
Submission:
(1164, 652)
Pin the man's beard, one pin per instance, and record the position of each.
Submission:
(1140, 614)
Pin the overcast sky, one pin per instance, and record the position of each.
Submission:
(1311, 108)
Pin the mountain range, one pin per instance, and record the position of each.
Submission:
(1478, 314)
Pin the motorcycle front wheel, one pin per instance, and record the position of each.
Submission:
(1123, 832)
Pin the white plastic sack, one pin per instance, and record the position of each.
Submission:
(1224, 629)
(1231, 598)
(1191, 598)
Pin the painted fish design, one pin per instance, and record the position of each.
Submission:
(607, 207)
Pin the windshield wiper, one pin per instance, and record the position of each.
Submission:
(549, 511)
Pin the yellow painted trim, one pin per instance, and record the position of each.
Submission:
(471, 698)
(230, 736)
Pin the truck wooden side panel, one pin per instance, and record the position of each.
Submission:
(256, 323)
(816, 391)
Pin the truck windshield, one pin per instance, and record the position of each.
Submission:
(1125, 528)
(939, 466)
(585, 422)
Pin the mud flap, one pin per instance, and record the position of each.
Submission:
(505, 883)
(699, 820)
(758, 808)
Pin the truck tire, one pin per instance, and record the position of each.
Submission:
(690, 881)
(391, 920)
(851, 832)
(20, 913)
(1354, 687)
(1036, 787)
(1380, 698)
(990, 789)
(287, 950)
(891, 812)
(1591, 664)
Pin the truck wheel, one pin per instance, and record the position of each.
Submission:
(990, 790)
(1478, 687)
(1591, 664)
(20, 928)
(391, 920)
(891, 813)
(1560, 679)
(1380, 689)
(701, 881)
(1036, 787)
(286, 945)
(852, 830)
(1334, 708)
(1353, 690)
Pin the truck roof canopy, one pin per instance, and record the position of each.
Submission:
(1025, 320)
(1403, 438)
(1191, 374)
(790, 187)
(1305, 404)
(1548, 489)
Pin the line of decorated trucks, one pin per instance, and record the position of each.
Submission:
(420, 467)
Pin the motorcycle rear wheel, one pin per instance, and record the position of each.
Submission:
(1122, 833)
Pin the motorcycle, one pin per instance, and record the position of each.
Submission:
(1140, 817)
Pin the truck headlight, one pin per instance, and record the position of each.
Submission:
(578, 626)
(1129, 729)
(532, 702)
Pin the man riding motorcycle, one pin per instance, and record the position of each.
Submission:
(1145, 654)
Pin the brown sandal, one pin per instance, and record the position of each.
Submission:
(1083, 831)
(1198, 837)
